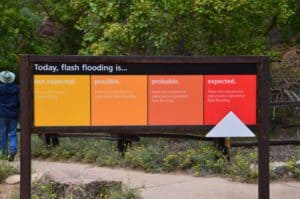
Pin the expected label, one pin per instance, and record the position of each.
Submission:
(119, 99)
(175, 100)
(61, 100)
(225, 93)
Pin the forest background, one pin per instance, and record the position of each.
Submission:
(161, 27)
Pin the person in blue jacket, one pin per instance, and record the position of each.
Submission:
(9, 114)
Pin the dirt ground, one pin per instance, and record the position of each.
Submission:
(156, 186)
(165, 186)
(6, 191)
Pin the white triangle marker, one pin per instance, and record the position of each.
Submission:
(230, 126)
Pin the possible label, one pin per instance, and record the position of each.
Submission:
(119, 99)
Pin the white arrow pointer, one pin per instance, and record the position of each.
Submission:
(230, 126)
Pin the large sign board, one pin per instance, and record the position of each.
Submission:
(142, 95)
(127, 94)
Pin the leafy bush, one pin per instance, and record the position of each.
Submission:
(155, 155)
(204, 159)
(108, 154)
(241, 166)
(293, 169)
(121, 192)
(84, 150)
(180, 27)
(148, 157)
(51, 190)
(6, 169)
(45, 190)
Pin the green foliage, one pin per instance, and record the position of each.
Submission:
(202, 160)
(127, 27)
(67, 39)
(160, 155)
(149, 157)
(18, 25)
(43, 190)
(6, 169)
(15, 31)
(291, 30)
(293, 169)
(49, 190)
(121, 192)
(179, 27)
(88, 151)
(243, 165)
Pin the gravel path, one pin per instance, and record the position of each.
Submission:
(164, 186)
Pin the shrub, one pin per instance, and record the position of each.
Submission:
(6, 169)
(121, 192)
(38, 149)
(45, 190)
(88, 150)
(156, 155)
(148, 157)
(293, 169)
(240, 167)
(53, 190)
(201, 160)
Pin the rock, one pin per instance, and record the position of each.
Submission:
(14, 179)
(290, 174)
(279, 168)
(277, 164)
(254, 168)
(298, 164)
(36, 177)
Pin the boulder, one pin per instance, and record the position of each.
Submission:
(254, 168)
(36, 177)
(298, 164)
(279, 168)
(14, 179)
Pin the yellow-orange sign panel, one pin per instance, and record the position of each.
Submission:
(61, 100)
(119, 99)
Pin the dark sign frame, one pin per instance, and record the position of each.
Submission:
(258, 65)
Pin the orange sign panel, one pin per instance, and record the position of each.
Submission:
(175, 100)
(61, 100)
(119, 99)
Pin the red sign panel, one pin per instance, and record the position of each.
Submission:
(225, 93)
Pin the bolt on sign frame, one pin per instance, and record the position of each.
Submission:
(35, 70)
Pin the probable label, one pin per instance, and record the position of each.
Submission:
(175, 99)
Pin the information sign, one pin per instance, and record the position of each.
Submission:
(116, 94)
(144, 96)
